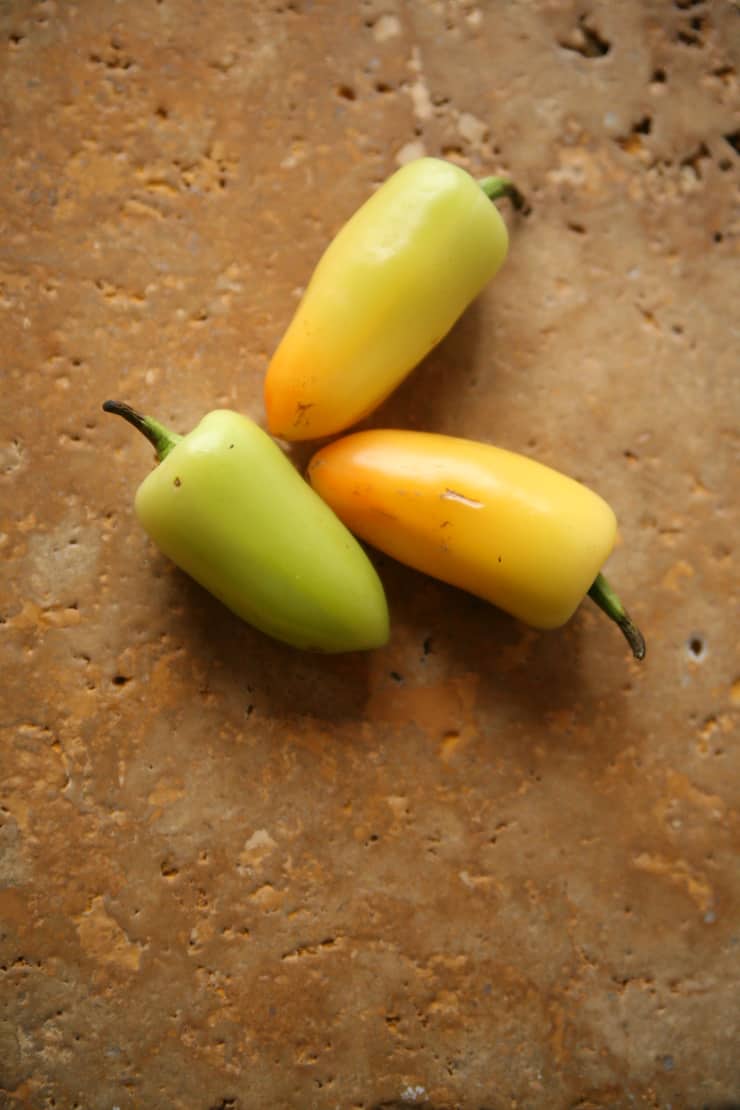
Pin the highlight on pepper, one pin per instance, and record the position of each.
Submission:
(228, 507)
(499, 525)
(386, 291)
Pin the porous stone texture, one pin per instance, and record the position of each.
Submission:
(485, 867)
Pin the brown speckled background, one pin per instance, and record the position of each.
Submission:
(486, 867)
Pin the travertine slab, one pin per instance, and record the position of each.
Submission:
(486, 867)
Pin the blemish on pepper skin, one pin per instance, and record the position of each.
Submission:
(177, 482)
(300, 412)
(453, 495)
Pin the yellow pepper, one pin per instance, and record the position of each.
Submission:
(497, 524)
(388, 288)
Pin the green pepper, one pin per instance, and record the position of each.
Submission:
(387, 289)
(228, 507)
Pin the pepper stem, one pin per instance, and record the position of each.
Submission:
(497, 187)
(606, 599)
(161, 438)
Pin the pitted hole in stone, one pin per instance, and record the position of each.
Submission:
(725, 73)
(586, 41)
(696, 648)
(632, 143)
(693, 161)
(346, 92)
(733, 138)
(691, 38)
(120, 679)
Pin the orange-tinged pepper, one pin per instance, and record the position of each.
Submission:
(497, 524)
(387, 289)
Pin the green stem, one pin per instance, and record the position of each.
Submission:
(606, 599)
(161, 438)
(497, 187)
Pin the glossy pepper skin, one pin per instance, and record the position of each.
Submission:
(388, 288)
(228, 507)
(497, 524)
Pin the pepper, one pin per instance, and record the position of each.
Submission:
(497, 524)
(227, 506)
(386, 291)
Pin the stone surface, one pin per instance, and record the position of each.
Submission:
(485, 867)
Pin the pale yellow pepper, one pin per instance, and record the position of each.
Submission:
(497, 524)
(387, 289)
